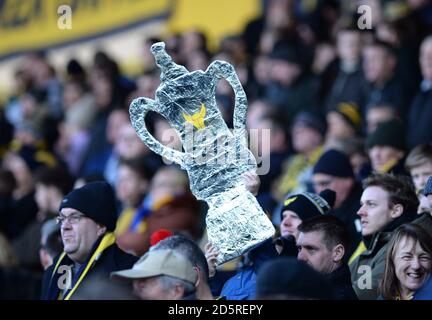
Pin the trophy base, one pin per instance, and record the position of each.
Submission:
(236, 223)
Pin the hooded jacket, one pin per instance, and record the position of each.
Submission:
(368, 268)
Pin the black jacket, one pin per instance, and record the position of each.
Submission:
(341, 281)
(111, 259)
(419, 119)
(347, 213)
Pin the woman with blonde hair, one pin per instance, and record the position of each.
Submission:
(408, 262)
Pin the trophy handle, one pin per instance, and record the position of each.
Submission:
(221, 69)
(137, 111)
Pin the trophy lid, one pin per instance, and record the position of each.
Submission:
(170, 69)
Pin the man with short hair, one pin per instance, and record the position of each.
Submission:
(334, 171)
(323, 241)
(386, 147)
(419, 164)
(379, 67)
(162, 275)
(188, 248)
(87, 220)
(386, 203)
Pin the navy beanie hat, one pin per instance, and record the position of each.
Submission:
(96, 200)
(334, 163)
(308, 205)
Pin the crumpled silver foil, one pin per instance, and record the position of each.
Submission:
(214, 157)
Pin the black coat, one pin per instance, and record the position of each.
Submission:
(112, 259)
(347, 213)
(341, 281)
(419, 119)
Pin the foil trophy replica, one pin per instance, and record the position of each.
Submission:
(214, 157)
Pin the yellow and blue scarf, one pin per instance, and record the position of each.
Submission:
(55, 293)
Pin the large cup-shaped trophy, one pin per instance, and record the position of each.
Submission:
(214, 157)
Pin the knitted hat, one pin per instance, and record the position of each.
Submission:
(390, 133)
(310, 120)
(334, 163)
(35, 158)
(307, 205)
(350, 113)
(95, 200)
(286, 52)
(293, 279)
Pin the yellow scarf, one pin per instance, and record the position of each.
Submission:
(360, 249)
(107, 240)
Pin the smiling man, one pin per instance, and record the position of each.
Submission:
(87, 220)
(386, 203)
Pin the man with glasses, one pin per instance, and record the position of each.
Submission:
(333, 171)
(87, 220)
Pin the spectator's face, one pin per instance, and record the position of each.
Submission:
(167, 181)
(130, 187)
(377, 65)
(116, 120)
(338, 128)
(284, 72)
(375, 212)
(342, 186)
(420, 175)
(314, 252)
(384, 156)
(152, 289)
(42, 197)
(358, 160)
(289, 224)
(429, 198)
(305, 139)
(412, 265)
(426, 60)
(128, 144)
(19, 169)
(78, 235)
(71, 94)
(261, 69)
(349, 45)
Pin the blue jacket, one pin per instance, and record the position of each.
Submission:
(425, 292)
(242, 285)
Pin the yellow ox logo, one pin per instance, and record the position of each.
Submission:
(197, 119)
